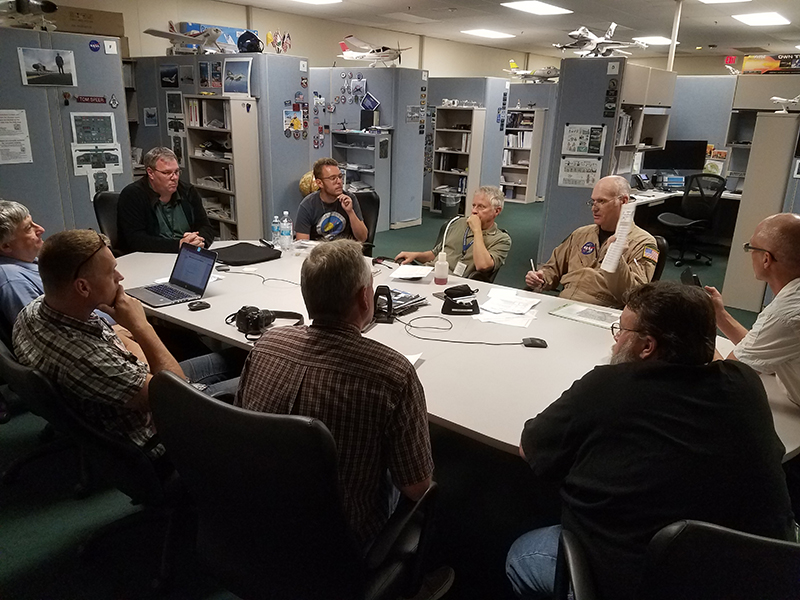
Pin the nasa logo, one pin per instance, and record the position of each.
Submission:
(588, 248)
(94, 46)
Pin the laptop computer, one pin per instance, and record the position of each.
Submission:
(187, 282)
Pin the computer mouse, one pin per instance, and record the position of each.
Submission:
(198, 305)
(223, 268)
(534, 343)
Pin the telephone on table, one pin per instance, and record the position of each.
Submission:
(642, 182)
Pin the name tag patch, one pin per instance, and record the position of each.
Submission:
(588, 248)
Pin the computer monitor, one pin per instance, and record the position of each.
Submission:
(689, 155)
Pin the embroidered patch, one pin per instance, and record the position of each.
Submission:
(650, 254)
(588, 248)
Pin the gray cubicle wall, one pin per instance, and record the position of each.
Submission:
(538, 95)
(701, 108)
(57, 198)
(581, 100)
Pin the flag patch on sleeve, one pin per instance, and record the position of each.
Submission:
(650, 254)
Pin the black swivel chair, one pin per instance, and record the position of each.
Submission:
(105, 209)
(475, 275)
(370, 204)
(663, 256)
(572, 570)
(270, 518)
(702, 192)
(692, 559)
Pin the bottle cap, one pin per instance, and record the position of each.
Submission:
(442, 257)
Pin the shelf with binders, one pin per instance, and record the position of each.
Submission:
(457, 148)
(519, 170)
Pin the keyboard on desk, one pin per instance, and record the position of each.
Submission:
(168, 291)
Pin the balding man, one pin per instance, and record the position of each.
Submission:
(773, 344)
(576, 262)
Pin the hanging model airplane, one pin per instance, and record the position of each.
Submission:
(205, 41)
(785, 103)
(537, 76)
(588, 44)
(376, 54)
(27, 13)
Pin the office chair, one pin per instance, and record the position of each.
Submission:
(270, 520)
(701, 193)
(370, 207)
(663, 256)
(572, 570)
(105, 209)
(693, 559)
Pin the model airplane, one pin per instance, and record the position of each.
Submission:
(205, 41)
(27, 13)
(537, 76)
(376, 54)
(732, 70)
(785, 103)
(588, 44)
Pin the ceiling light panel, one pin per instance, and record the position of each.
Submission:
(537, 8)
(722, 1)
(319, 1)
(488, 33)
(762, 19)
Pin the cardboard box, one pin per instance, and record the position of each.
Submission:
(84, 20)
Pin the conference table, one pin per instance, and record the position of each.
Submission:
(484, 391)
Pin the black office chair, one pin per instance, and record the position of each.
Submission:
(370, 207)
(692, 559)
(487, 277)
(572, 570)
(105, 209)
(270, 519)
(663, 256)
(701, 193)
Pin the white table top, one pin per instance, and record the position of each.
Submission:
(656, 197)
(486, 392)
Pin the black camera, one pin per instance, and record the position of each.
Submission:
(253, 321)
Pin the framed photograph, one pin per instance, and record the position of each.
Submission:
(42, 66)
(205, 81)
(292, 120)
(216, 74)
(174, 103)
(186, 74)
(150, 117)
(236, 76)
(168, 75)
(370, 102)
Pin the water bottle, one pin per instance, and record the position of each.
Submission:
(440, 269)
(276, 232)
(286, 231)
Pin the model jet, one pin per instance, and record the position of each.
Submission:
(785, 103)
(233, 76)
(376, 54)
(537, 76)
(732, 70)
(27, 13)
(206, 41)
(588, 44)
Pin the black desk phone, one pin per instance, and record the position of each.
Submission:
(642, 182)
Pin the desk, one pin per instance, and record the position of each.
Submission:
(484, 392)
(656, 197)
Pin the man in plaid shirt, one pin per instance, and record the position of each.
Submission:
(367, 394)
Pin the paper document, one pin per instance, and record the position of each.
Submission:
(599, 316)
(624, 225)
(502, 292)
(505, 319)
(516, 306)
(410, 272)
(413, 358)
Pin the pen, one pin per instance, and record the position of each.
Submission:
(533, 266)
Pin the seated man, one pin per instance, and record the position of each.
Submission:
(159, 212)
(773, 344)
(575, 263)
(95, 370)
(328, 214)
(663, 433)
(475, 245)
(367, 394)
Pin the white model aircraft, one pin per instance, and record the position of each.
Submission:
(206, 41)
(588, 44)
(537, 76)
(376, 54)
(785, 103)
(732, 70)
(27, 13)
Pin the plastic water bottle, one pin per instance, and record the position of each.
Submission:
(286, 231)
(276, 232)
(440, 269)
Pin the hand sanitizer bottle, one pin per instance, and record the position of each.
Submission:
(440, 270)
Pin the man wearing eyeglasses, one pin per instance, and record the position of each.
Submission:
(661, 434)
(159, 212)
(329, 214)
(773, 344)
(575, 263)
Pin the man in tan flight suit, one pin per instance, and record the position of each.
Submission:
(575, 263)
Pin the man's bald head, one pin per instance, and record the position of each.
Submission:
(780, 234)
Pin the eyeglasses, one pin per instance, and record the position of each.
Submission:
(339, 177)
(601, 202)
(617, 329)
(101, 245)
(748, 248)
(175, 173)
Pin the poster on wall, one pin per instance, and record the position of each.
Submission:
(763, 63)
(292, 120)
(150, 117)
(186, 74)
(216, 74)
(42, 66)
(15, 142)
(584, 139)
(174, 103)
(237, 76)
(169, 76)
(205, 80)
(577, 171)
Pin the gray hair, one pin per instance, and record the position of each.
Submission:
(331, 276)
(494, 194)
(11, 215)
(621, 185)
(159, 152)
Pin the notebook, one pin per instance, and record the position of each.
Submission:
(187, 282)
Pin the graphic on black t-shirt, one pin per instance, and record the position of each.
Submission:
(330, 225)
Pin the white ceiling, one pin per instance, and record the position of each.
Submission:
(700, 25)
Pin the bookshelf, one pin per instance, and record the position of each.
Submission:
(457, 151)
(222, 148)
(519, 172)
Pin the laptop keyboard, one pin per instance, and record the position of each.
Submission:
(168, 292)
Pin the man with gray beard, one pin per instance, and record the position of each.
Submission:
(663, 433)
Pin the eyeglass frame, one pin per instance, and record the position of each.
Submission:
(748, 248)
(332, 178)
(90, 257)
(602, 202)
(175, 173)
(617, 329)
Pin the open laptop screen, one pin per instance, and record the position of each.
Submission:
(193, 267)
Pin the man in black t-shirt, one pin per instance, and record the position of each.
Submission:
(663, 433)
